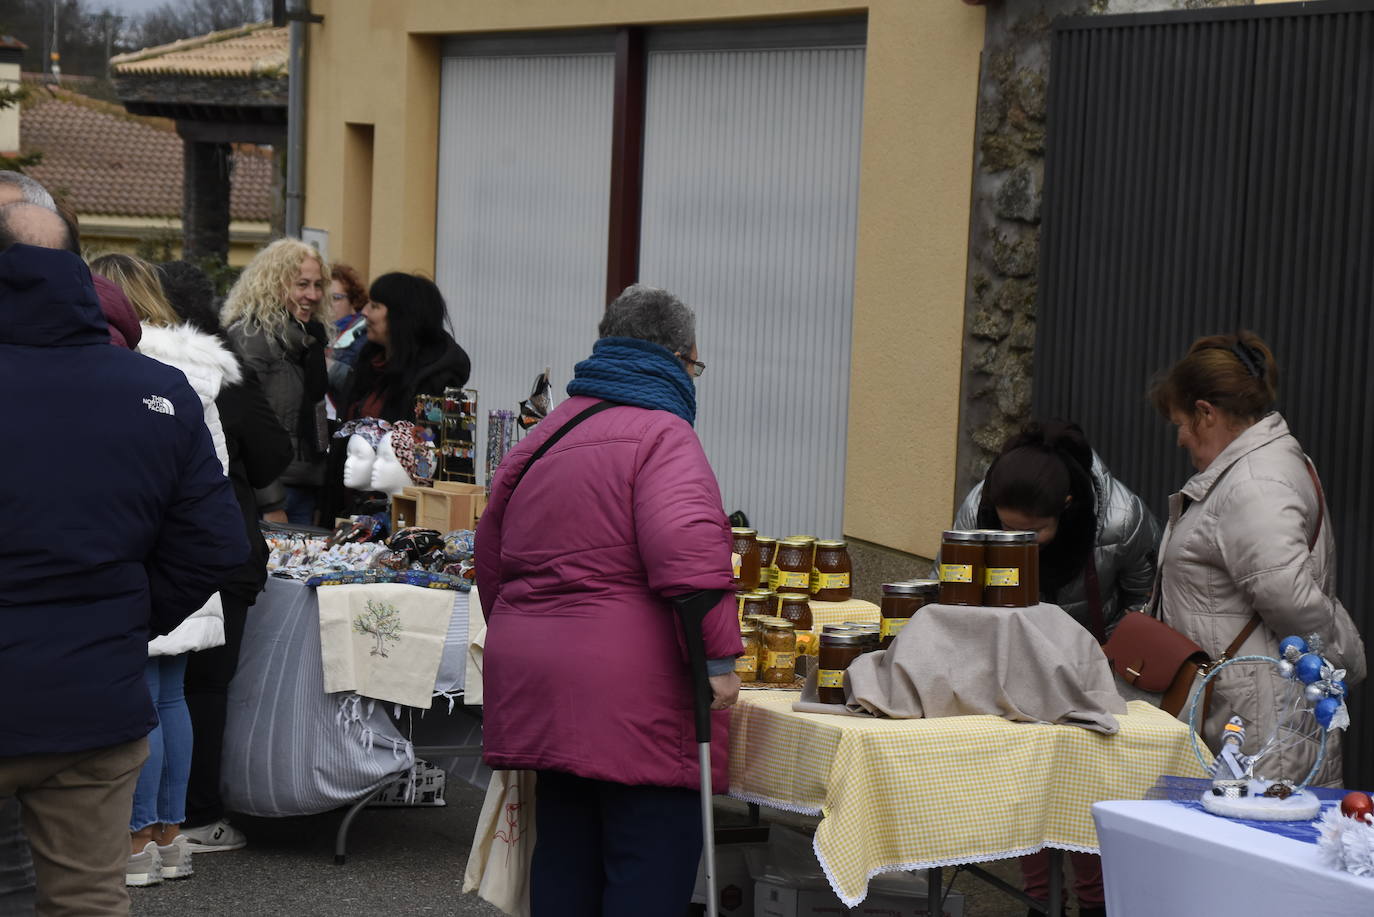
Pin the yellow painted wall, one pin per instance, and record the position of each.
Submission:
(102, 234)
(376, 62)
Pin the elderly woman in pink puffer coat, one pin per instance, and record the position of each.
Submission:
(585, 677)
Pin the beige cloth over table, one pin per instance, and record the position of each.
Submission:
(384, 640)
(1027, 665)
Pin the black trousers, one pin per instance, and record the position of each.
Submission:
(208, 674)
(609, 850)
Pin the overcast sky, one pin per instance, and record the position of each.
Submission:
(128, 7)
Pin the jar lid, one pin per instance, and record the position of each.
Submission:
(842, 637)
(830, 544)
(798, 542)
(743, 531)
(793, 597)
(777, 624)
(747, 627)
(1011, 537)
(806, 538)
(912, 587)
(865, 626)
(768, 538)
(965, 535)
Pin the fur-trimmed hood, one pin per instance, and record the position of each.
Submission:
(195, 353)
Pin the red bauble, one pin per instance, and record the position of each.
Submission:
(1358, 806)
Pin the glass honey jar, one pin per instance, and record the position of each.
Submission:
(840, 646)
(779, 652)
(1011, 577)
(832, 576)
(962, 567)
(744, 545)
(900, 602)
(747, 663)
(792, 563)
(795, 608)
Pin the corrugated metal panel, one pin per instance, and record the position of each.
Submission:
(1208, 171)
(524, 179)
(751, 174)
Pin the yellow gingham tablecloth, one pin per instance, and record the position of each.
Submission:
(920, 793)
(823, 613)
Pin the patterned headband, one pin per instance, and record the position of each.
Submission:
(415, 455)
(369, 428)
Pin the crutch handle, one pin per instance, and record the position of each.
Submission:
(692, 610)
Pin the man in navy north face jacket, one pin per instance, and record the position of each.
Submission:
(118, 523)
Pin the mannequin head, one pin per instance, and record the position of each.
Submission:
(357, 471)
(389, 476)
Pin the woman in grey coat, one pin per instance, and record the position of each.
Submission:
(1097, 561)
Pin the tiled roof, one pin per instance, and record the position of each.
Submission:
(106, 161)
(9, 41)
(246, 51)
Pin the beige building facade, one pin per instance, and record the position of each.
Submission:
(372, 182)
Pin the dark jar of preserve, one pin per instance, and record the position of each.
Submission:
(747, 663)
(961, 567)
(744, 546)
(795, 608)
(793, 563)
(779, 652)
(1012, 570)
(868, 630)
(755, 603)
(767, 546)
(833, 577)
(840, 646)
(900, 602)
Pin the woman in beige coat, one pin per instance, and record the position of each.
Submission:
(1249, 537)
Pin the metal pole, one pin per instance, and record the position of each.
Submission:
(295, 119)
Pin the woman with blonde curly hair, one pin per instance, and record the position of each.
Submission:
(275, 315)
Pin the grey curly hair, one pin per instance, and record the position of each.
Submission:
(651, 314)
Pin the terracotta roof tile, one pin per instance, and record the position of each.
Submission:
(246, 51)
(106, 161)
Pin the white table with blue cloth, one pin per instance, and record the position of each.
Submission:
(1161, 857)
(292, 749)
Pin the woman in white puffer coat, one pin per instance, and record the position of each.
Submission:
(160, 796)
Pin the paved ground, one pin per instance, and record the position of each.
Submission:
(401, 862)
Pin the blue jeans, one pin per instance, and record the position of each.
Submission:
(160, 796)
(16, 867)
(605, 849)
(300, 504)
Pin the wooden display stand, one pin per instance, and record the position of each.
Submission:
(447, 506)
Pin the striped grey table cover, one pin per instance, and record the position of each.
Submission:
(292, 749)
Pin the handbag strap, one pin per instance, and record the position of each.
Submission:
(1094, 590)
(558, 434)
(1321, 503)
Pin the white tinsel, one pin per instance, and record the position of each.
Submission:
(1346, 844)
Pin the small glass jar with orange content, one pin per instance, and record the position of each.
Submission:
(744, 545)
(779, 653)
(747, 663)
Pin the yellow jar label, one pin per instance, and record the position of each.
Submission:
(832, 581)
(1002, 576)
(890, 626)
(746, 664)
(956, 573)
(776, 660)
(771, 575)
(787, 579)
(830, 678)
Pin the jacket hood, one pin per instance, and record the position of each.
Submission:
(189, 348)
(119, 314)
(449, 358)
(47, 299)
(1268, 428)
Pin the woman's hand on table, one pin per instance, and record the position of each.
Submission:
(724, 690)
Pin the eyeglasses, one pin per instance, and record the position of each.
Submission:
(338, 296)
(694, 367)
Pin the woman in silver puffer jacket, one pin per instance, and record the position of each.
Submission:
(1125, 534)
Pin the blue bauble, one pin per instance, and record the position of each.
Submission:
(1308, 668)
(1326, 708)
(1286, 642)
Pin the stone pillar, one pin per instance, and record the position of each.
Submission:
(205, 200)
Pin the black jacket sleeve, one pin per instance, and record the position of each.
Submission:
(254, 434)
(201, 539)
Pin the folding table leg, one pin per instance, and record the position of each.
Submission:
(341, 839)
(1056, 902)
(935, 883)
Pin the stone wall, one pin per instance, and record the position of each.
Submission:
(1004, 237)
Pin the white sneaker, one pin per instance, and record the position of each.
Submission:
(215, 837)
(176, 858)
(145, 867)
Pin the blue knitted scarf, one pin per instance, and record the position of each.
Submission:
(641, 373)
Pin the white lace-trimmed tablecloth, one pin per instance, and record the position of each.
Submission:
(920, 793)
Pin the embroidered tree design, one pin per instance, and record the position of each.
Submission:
(381, 620)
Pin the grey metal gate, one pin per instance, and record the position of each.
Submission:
(1207, 171)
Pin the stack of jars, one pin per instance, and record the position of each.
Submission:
(989, 567)
(840, 645)
(770, 651)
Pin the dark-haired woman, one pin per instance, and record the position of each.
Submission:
(407, 353)
(1250, 539)
(1097, 548)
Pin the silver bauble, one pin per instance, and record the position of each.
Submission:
(1285, 668)
(1313, 693)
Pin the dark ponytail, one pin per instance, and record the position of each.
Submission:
(1046, 471)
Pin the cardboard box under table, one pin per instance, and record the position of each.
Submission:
(927, 793)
